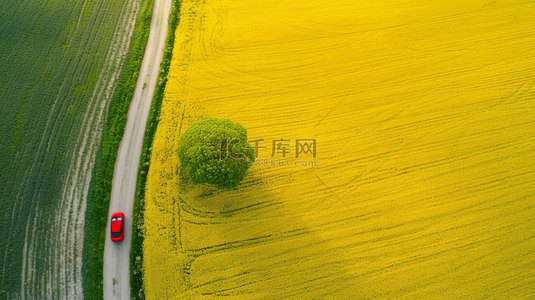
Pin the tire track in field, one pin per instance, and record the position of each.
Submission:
(77, 184)
(64, 278)
(50, 127)
(28, 257)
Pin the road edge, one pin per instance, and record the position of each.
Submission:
(137, 290)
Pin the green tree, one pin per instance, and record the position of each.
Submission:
(216, 151)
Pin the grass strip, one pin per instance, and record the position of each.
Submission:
(98, 198)
(136, 251)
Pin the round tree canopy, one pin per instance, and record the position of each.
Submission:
(216, 151)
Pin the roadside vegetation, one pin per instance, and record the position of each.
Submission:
(136, 251)
(100, 188)
(58, 63)
(395, 152)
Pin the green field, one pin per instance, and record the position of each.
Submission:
(60, 63)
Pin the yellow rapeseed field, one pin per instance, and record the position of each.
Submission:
(423, 118)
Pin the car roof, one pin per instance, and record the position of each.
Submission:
(116, 226)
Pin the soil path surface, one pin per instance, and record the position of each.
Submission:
(116, 255)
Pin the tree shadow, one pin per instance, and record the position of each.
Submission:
(250, 241)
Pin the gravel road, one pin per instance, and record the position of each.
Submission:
(116, 255)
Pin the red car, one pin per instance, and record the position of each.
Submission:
(117, 227)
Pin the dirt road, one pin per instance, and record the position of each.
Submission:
(116, 255)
